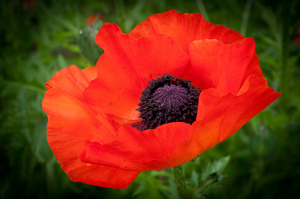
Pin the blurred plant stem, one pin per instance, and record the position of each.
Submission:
(182, 186)
(121, 14)
(202, 9)
(246, 17)
(206, 184)
(284, 51)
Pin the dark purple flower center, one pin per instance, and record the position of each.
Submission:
(168, 99)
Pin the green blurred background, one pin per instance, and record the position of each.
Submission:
(40, 37)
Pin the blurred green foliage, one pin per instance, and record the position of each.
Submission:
(86, 42)
(39, 38)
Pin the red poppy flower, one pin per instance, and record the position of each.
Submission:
(95, 129)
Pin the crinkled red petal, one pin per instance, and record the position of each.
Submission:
(139, 151)
(148, 57)
(126, 65)
(184, 28)
(73, 80)
(223, 114)
(219, 65)
(115, 91)
(155, 55)
(70, 124)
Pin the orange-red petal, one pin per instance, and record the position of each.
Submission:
(155, 55)
(184, 28)
(73, 80)
(70, 124)
(223, 114)
(149, 57)
(126, 65)
(139, 151)
(100, 175)
(219, 65)
(115, 91)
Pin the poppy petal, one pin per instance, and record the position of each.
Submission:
(90, 73)
(132, 59)
(184, 28)
(155, 56)
(117, 88)
(149, 56)
(73, 80)
(114, 91)
(219, 65)
(70, 125)
(140, 151)
(100, 175)
(254, 69)
(223, 114)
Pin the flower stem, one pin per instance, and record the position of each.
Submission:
(246, 17)
(182, 186)
(284, 53)
(121, 14)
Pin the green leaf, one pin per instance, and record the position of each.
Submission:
(87, 44)
(216, 166)
(173, 193)
(61, 61)
(151, 185)
(41, 148)
(194, 179)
